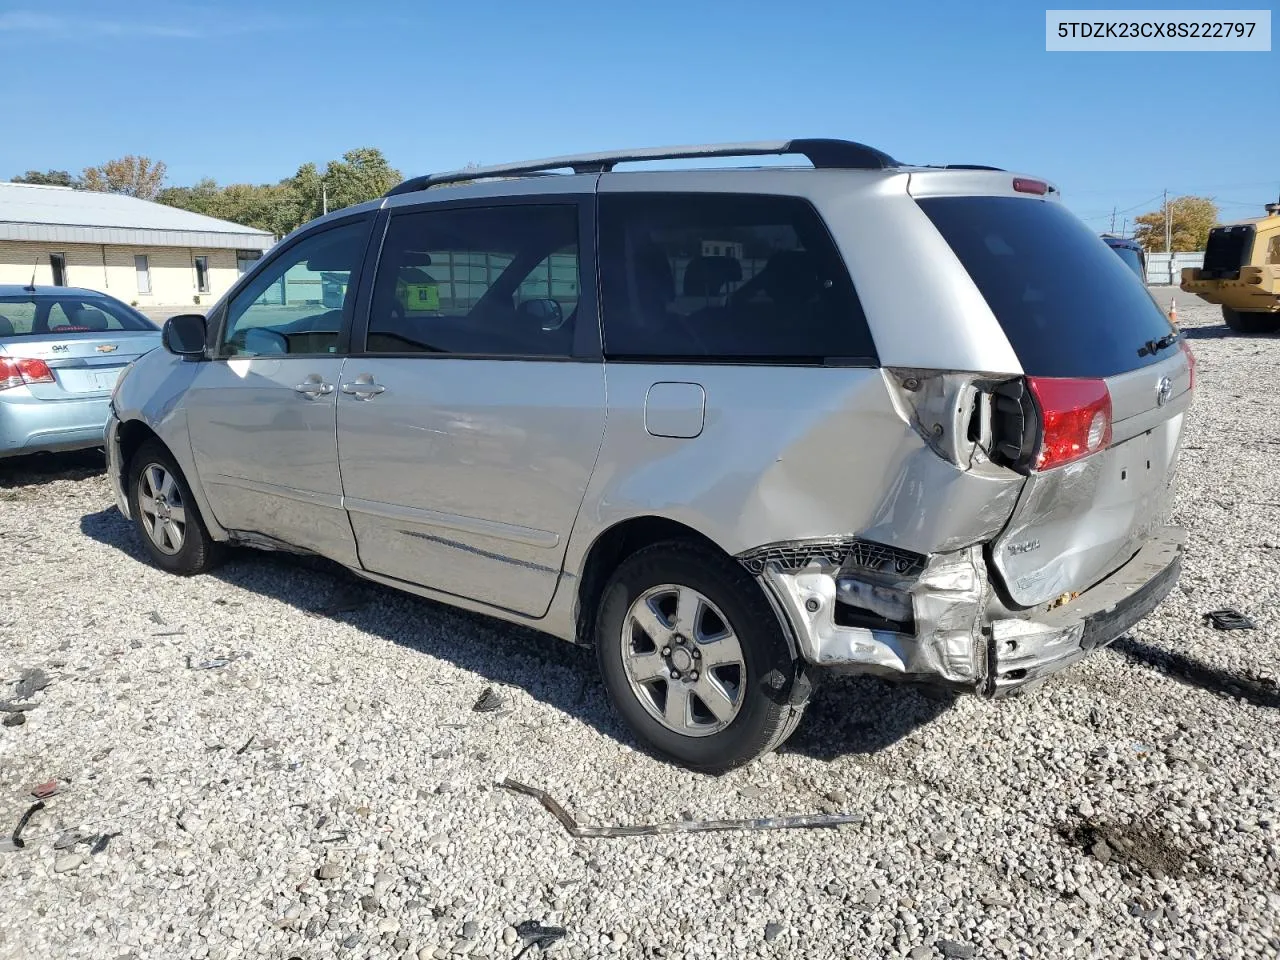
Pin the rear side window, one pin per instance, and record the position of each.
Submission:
(729, 278)
(478, 281)
(1069, 306)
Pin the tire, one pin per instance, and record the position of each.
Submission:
(753, 698)
(184, 546)
(1245, 321)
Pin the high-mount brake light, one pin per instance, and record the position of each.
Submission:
(1075, 416)
(1025, 185)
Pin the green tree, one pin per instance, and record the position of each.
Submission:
(51, 178)
(130, 175)
(362, 174)
(1190, 218)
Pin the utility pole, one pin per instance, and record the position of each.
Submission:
(1124, 227)
(1113, 220)
(1168, 229)
(324, 197)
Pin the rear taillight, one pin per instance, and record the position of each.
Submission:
(16, 372)
(1075, 418)
(1191, 364)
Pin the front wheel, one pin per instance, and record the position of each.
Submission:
(166, 515)
(694, 659)
(1247, 321)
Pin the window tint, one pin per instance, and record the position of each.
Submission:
(725, 277)
(41, 316)
(1069, 306)
(487, 281)
(295, 304)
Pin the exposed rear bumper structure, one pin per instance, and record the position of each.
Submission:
(956, 633)
(1022, 651)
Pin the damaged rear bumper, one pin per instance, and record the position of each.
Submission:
(937, 619)
(1024, 650)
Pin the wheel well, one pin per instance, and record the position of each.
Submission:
(610, 549)
(133, 434)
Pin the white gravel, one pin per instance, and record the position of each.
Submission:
(330, 793)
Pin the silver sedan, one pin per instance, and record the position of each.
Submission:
(61, 352)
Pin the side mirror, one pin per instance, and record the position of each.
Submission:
(185, 335)
(546, 312)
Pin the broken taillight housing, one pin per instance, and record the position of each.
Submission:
(16, 372)
(1075, 419)
(1191, 364)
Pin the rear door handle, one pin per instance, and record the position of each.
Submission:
(362, 387)
(314, 387)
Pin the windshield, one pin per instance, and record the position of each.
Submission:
(32, 315)
(1069, 306)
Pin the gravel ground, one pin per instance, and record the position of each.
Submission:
(328, 791)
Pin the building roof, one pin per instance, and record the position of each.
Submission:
(40, 213)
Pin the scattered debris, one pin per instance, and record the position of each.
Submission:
(31, 682)
(537, 935)
(72, 838)
(16, 837)
(155, 618)
(340, 835)
(247, 744)
(217, 663)
(10, 706)
(329, 871)
(44, 791)
(15, 719)
(490, 701)
(175, 632)
(1229, 619)
(101, 843)
(680, 826)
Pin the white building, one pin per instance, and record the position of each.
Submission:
(137, 251)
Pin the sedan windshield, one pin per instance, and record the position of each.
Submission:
(37, 315)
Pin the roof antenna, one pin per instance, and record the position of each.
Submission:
(32, 285)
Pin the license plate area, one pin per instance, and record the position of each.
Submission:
(88, 379)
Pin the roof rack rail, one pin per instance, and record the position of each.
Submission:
(973, 166)
(823, 154)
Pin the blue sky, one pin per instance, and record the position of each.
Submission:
(247, 91)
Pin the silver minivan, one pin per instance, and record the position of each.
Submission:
(730, 427)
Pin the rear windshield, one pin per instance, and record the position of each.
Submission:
(1069, 306)
(56, 316)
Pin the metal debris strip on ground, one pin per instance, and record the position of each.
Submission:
(571, 826)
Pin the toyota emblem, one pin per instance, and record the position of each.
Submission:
(1164, 391)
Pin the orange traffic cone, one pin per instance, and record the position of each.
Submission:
(1173, 311)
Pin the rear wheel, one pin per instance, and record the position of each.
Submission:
(166, 515)
(694, 658)
(1246, 321)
